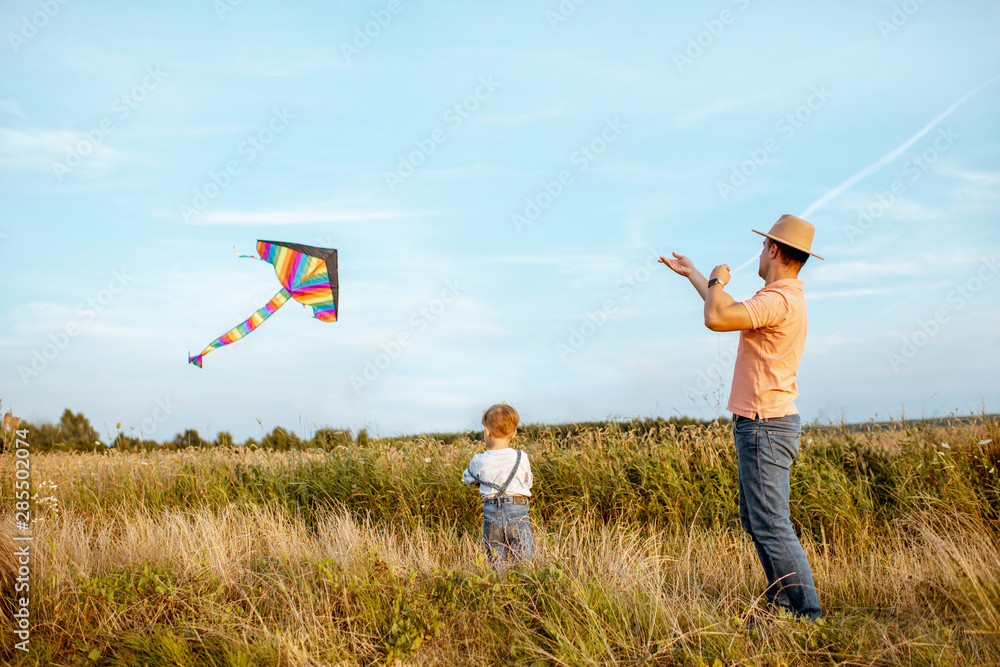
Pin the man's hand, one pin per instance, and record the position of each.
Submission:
(722, 313)
(681, 266)
(722, 273)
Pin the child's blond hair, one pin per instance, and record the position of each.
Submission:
(502, 420)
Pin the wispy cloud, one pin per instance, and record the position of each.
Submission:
(12, 108)
(292, 217)
(853, 293)
(297, 64)
(866, 270)
(902, 208)
(36, 150)
(692, 117)
(640, 172)
(194, 131)
(557, 259)
(976, 186)
(551, 112)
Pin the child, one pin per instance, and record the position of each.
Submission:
(503, 477)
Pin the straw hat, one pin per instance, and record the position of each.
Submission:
(793, 232)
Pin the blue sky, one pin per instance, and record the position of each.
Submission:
(498, 179)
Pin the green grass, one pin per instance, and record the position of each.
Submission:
(843, 480)
(368, 554)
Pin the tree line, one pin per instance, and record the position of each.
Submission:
(74, 433)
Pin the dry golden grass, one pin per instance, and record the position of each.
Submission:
(126, 572)
(667, 595)
(8, 565)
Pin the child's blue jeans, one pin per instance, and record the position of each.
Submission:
(507, 532)
(765, 450)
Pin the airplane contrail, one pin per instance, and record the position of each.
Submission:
(880, 163)
(746, 263)
(891, 155)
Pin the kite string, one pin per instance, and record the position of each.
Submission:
(253, 257)
(494, 265)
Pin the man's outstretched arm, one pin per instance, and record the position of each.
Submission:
(722, 312)
(683, 266)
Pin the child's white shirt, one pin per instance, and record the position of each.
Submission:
(494, 466)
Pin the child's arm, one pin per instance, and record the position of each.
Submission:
(469, 478)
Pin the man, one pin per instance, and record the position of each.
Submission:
(766, 426)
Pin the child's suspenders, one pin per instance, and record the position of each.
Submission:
(502, 489)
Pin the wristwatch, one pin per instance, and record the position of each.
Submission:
(715, 281)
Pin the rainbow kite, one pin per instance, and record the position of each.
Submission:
(308, 275)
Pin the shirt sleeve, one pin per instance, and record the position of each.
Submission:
(467, 476)
(527, 476)
(766, 308)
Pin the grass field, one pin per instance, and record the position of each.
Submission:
(367, 553)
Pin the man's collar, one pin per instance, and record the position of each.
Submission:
(791, 282)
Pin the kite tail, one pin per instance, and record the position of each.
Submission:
(246, 327)
(246, 256)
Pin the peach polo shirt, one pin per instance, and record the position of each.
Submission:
(769, 353)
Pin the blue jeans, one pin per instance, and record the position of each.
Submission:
(765, 450)
(507, 532)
